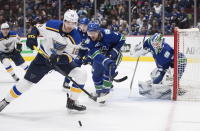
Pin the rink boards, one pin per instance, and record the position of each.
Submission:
(29, 55)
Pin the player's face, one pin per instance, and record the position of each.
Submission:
(93, 35)
(5, 31)
(157, 45)
(69, 26)
(83, 27)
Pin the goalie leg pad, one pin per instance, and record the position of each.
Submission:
(144, 87)
(157, 75)
(156, 91)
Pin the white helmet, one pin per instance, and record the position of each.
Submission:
(4, 26)
(71, 16)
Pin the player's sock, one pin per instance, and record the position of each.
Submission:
(22, 86)
(66, 84)
(107, 84)
(9, 68)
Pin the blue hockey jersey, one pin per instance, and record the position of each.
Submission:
(164, 57)
(108, 41)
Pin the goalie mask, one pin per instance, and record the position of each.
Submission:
(157, 42)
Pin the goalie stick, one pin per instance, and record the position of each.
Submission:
(94, 98)
(136, 65)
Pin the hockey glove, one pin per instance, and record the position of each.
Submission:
(78, 62)
(113, 54)
(53, 59)
(87, 60)
(19, 47)
(31, 41)
(82, 52)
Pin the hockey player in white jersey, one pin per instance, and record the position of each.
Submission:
(57, 45)
(10, 48)
(162, 77)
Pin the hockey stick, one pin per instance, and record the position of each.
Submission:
(134, 75)
(120, 79)
(136, 65)
(117, 80)
(94, 98)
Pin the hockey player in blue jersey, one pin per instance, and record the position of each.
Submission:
(83, 25)
(104, 51)
(10, 48)
(162, 76)
(82, 29)
(60, 42)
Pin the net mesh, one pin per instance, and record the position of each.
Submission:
(188, 64)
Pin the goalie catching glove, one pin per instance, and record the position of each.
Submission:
(138, 50)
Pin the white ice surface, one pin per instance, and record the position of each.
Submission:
(43, 107)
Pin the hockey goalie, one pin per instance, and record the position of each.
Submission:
(161, 82)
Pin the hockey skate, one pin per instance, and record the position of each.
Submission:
(104, 94)
(3, 104)
(15, 77)
(73, 105)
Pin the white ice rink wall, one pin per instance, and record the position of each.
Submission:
(130, 42)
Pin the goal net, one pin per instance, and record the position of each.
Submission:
(186, 64)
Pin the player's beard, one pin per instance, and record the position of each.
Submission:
(5, 33)
(67, 29)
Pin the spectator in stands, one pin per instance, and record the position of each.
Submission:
(113, 12)
(183, 19)
(157, 8)
(114, 26)
(140, 20)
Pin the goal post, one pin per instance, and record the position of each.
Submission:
(186, 64)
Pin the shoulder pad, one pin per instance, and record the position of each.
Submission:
(53, 25)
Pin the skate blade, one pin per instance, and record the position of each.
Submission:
(103, 99)
(72, 111)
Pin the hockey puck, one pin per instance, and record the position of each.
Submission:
(79, 122)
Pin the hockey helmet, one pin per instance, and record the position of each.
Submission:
(71, 16)
(4, 26)
(84, 21)
(156, 40)
(93, 26)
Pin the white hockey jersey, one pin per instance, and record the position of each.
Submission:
(7, 44)
(56, 41)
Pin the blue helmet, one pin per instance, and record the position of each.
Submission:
(84, 21)
(93, 26)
